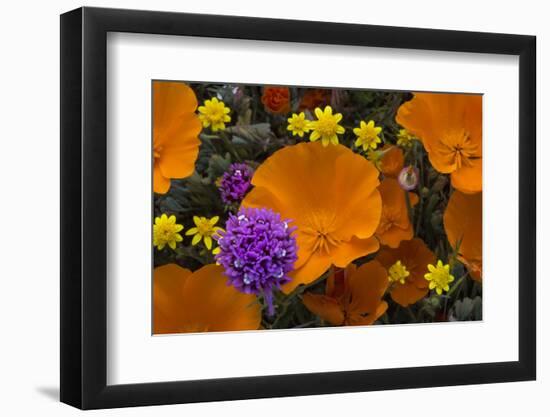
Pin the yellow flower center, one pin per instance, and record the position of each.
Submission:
(205, 227)
(326, 126)
(298, 124)
(458, 149)
(398, 273)
(214, 112)
(368, 135)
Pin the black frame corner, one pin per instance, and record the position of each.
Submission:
(84, 207)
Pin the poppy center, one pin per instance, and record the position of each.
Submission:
(389, 219)
(398, 273)
(324, 242)
(324, 239)
(459, 149)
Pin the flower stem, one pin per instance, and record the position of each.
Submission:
(457, 284)
(409, 206)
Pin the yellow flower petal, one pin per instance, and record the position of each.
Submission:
(319, 113)
(196, 239)
(192, 231)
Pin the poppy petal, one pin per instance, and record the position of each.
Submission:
(316, 265)
(161, 184)
(168, 283)
(463, 224)
(408, 293)
(212, 305)
(325, 307)
(345, 253)
(367, 285)
(468, 179)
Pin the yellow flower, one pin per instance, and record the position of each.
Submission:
(404, 138)
(214, 113)
(205, 229)
(398, 272)
(439, 277)
(298, 124)
(165, 232)
(375, 157)
(326, 126)
(367, 135)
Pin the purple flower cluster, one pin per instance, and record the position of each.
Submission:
(257, 251)
(235, 183)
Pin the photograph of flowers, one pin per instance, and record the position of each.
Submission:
(290, 207)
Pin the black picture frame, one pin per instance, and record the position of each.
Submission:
(84, 207)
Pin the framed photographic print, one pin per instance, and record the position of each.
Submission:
(258, 208)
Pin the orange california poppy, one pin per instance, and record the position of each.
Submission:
(175, 133)
(395, 224)
(200, 301)
(449, 126)
(406, 266)
(276, 100)
(463, 221)
(331, 196)
(353, 296)
(392, 161)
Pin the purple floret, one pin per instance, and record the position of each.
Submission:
(257, 251)
(235, 183)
